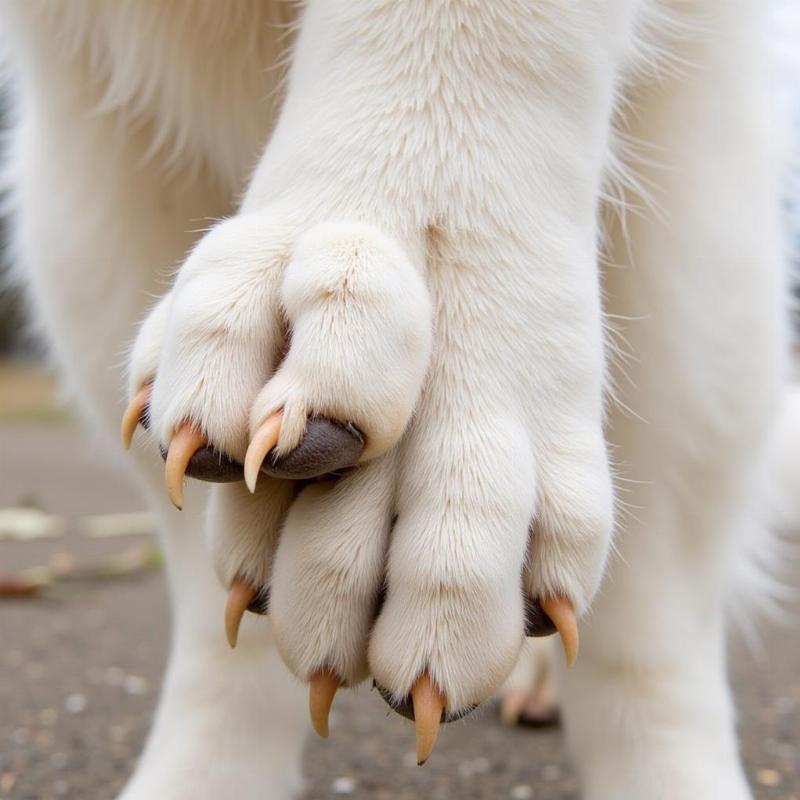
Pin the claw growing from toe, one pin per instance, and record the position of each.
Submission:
(560, 610)
(240, 596)
(186, 441)
(132, 415)
(428, 704)
(264, 439)
(321, 691)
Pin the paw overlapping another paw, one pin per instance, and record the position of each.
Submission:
(285, 368)
(310, 345)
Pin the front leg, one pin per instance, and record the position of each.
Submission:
(486, 133)
(452, 149)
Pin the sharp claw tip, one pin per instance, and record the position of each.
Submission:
(322, 689)
(240, 596)
(186, 441)
(132, 414)
(175, 497)
(264, 439)
(428, 704)
(562, 613)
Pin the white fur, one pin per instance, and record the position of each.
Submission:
(360, 319)
(331, 565)
(425, 216)
(783, 475)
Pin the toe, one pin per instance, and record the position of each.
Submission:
(222, 340)
(360, 320)
(329, 570)
(453, 606)
(242, 531)
(571, 533)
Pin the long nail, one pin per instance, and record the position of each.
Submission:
(240, 596)
(428, 704)
(186, 441)
(321, 691)
(264, 439)
(560, 610)
(130, 419)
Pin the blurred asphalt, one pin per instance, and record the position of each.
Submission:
(80, 667)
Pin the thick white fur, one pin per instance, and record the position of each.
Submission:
(425, 216)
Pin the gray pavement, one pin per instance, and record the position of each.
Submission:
(80, 667)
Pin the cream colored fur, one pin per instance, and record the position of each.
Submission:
(423, 211)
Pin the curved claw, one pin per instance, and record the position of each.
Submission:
(132, 415)
(321, 691)
(560, 610)
(428, 704)
(186, 441)
(240, 596)
(264, 439)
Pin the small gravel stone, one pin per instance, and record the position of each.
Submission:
(769, 777)
(75, 703)
(343, 785)
(135, 685)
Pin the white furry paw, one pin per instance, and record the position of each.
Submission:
(307, 343)
(428, 564)
(490, 520)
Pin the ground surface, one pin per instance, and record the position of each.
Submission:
(80, 663)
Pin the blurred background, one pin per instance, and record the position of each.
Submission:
(84, 622)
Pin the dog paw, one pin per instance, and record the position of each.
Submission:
(528, 698)
(485, 518)
(489, 521)
(287, 349)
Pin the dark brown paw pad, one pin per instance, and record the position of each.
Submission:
(260, 603)
(537, 623)
(208, 464)
(327, 446)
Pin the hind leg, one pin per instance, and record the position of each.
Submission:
(648, 708)
(96, 231)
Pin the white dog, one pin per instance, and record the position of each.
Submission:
(411, 278)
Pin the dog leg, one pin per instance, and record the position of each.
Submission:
(648, 710)
(97, 225)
